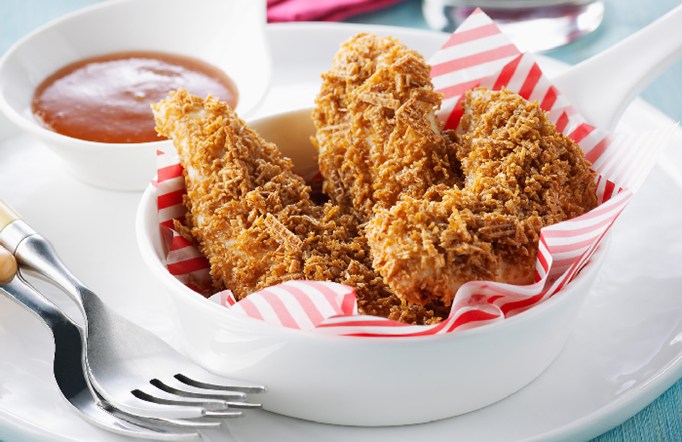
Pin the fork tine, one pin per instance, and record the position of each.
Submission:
(140, 403)
(223, 414)
(208, 405)
(161, 424)
(133, 426)
(229, 399)
(188, 424)
(205, 394)
(217, 386)
(243, 405)
(156, 420)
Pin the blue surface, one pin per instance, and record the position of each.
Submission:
(662, 419)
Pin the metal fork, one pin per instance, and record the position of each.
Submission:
(69, 370)
(133, 369)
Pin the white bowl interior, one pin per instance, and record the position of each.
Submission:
(363, 381)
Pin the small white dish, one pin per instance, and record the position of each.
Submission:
(366, 381)
(228, 34)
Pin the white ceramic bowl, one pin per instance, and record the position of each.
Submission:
(359, 380)
(228, 34)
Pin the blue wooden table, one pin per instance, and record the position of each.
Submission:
(661, 420)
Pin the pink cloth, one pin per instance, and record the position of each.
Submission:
(322, 10)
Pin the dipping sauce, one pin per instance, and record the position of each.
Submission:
(107, 98)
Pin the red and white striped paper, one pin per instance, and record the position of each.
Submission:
(477, 54)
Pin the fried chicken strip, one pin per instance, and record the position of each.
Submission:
(252, 216)
(520, 175)
(235, 183)
(376, 130)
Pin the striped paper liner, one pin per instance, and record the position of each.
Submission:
(476, 54)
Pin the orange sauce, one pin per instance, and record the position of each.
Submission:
(107, 98)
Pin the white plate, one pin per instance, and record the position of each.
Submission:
(627, 348)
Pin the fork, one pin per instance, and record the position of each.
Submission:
(133, 369)
(69, 370)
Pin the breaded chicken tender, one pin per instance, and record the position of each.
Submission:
(520, 175)
(235, 183)
(253, 218)
(376, 129)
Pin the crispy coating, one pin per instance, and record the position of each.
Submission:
(253, 217)
(376, 130)
(520, 175)
(414, 211)
(234, 180)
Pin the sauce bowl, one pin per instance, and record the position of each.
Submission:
(228, 34)
(368, 381)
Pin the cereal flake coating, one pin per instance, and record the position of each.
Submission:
(520, 175)
(376, 129)
(253, 218)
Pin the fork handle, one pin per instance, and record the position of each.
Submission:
(25, 294)
(68, 358)
(69, 365)
(7, 215)
(35, 254)
(18, 289)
